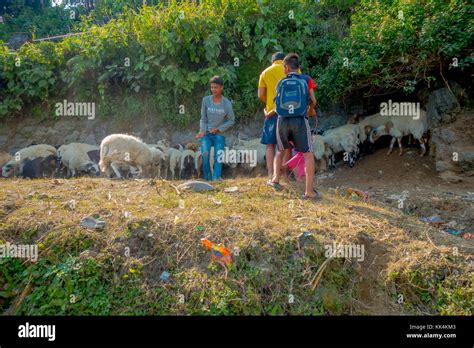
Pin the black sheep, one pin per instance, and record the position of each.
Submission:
(38, 167)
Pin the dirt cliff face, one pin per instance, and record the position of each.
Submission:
(17, 133)
(453, 145)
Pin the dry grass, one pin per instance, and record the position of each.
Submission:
(402, 255)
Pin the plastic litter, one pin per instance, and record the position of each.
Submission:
(454, 232)
(401, 197)
(324, 176)
(195, 186)
(452, 224)
(219, 252)
(215, 201)
(433, 220)
(353, 193)
(93, 222)
(165, 276)
(304, 238)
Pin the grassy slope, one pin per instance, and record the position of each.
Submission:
(403, 256)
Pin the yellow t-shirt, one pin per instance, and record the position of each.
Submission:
(269, 79)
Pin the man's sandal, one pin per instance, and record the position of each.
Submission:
(315, 198)
(275, 185)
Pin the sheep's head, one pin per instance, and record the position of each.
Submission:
(157, 156)
(192, 146)
(377, 133)
(163, 143)
(92, 167)
(8, 169)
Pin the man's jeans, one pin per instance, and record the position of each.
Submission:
(207, 141)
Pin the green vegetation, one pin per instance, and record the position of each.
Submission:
(152, 59)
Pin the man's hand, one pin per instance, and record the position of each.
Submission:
(200, 135)
(214, 131)
(270, 113)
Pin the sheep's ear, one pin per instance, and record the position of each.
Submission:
(388, 126)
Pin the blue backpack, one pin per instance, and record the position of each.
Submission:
(292, 97)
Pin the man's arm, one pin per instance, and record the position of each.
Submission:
(262, 88)
(312, 99)
(312, 106)
(262, 94)
(203, 121)
(230, 118)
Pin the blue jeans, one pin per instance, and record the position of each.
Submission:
(207, 141)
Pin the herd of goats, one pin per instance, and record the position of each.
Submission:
(122, 155)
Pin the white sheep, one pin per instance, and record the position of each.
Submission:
(321, 150)
(243, 146)
(198, 162)
(123, 149)
(400, 126)
(27, 153)
(173, 157)
(319, 147)
(342, 139)
(75, 158)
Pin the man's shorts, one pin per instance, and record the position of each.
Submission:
(295, 129)
(269, 131)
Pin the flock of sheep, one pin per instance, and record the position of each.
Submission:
(121, 155)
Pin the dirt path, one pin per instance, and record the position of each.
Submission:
(385, 177)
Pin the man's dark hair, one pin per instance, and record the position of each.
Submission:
(217, 79)
(278, 56)
(292, 61)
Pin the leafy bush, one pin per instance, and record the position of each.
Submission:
(167, 53)
(395, 45)
(41, 23)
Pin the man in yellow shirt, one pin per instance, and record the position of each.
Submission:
(266, 93)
